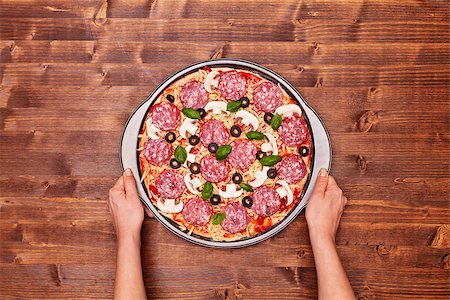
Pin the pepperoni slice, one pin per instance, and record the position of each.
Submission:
(157, 152)
(293, 130)
(197, 212)
(236, 218)
(243, 154)
(212, 169)
(170, 184)
(193, 95)
(291, 168)
(266, 201)
(213, 131)
(267, 96)
(232, 85)
(165, 116)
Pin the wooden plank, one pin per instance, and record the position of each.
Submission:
(125, 98)
(152, 74)
(410, 164)
(197, 30)
(24, 51)
(263, 10)
(249, 283)
(381, 191)
(29, 244)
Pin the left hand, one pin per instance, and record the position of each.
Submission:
(125, 207)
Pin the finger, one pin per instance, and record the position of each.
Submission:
(148, 213)
(119, 186)
(332, 182)
(130, 184)
(345, 200)
(321, 182)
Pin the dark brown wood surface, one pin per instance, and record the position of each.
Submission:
(72, 71)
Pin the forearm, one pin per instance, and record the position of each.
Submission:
(331, 278)
(129, 282)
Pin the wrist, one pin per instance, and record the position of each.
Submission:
(321, 236)
(130, 239)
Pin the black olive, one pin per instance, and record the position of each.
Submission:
(194, 140)
(175, 164)
(170, 137)
(303, 150)
(237, 178)
(245, 102)
(235, 131)
(247, 201)
(194, 168)
(272, 173)
(215, 199)
(260, 155)
(170, 98)
(202, 112)
(213, 147)
(268, 117)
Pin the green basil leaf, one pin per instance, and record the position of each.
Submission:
(233, 106)
(270, 160)
(246, 187)
(255, 135)
(191, 113)
(275, 123)
(222, 152)
(217, 218)
(207, 190)
(180, 154)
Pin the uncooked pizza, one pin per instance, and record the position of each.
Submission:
(225, 153)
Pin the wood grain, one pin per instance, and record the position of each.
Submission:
(71, 72)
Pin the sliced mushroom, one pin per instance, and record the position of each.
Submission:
(260, 177)
(152, 129)
(217, 107)
(187, 126)
(192, 184)
(230, 191)
(288, 110)
(211, 80)
(247, 119)
(190, 157)
(285, 191)
(273, 144)
(169, 206)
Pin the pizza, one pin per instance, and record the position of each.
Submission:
(225, 153)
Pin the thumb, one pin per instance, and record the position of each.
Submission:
(129, 183)
(321, 182)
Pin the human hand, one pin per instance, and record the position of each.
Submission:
(125, 207)
(325, 207)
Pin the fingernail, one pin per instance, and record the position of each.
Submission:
(128, 172)
(323, 172)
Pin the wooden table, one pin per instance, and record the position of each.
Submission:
(71, 73)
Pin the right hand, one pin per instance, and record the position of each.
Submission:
(325, 207)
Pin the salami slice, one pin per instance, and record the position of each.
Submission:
(266, 201)
(232, 85)
(293, 131)
(170, 184)
(213, 131)
(213, 170)
(236, 218)
(165, 116)
(197, 212)
(267, 96)
(243, 154)
(291, 168)
(157, 152)
(193, 95)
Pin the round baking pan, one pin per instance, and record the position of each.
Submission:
(320, 139)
